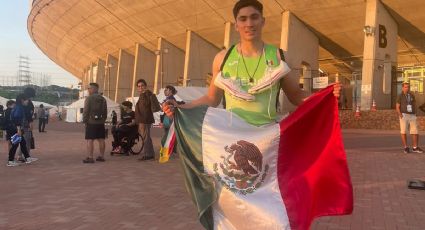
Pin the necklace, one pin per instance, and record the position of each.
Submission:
(251, 77)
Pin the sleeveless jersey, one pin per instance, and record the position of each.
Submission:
(263, 109)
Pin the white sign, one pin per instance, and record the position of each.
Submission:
(320, 82)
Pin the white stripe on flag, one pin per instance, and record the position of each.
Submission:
(238, 205)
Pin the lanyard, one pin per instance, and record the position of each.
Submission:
(408, 98)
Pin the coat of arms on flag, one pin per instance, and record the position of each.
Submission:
(241, 170)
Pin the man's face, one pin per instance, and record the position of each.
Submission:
(141, 87)
(90, 90)
(405, 88)
(25, 102)
(249, 23)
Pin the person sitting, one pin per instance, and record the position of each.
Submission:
(124, 128)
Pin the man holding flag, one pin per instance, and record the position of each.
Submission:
(243, 168)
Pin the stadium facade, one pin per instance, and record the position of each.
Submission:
(370, 46)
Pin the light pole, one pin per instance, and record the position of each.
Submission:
(108, 72)
(160, 54)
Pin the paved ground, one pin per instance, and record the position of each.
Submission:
(59, 192)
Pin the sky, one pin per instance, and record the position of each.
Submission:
(15, 41)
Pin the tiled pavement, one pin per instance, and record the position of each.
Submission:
(59, 192)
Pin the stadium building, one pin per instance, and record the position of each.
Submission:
(370, 46)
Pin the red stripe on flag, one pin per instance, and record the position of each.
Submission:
(172, 144)
(312, 168)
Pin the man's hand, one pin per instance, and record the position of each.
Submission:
(337, 89)
(400, 116)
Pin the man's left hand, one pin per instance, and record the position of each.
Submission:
(337, 89)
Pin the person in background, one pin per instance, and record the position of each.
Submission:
(41, 113)
(145, 107)
(94, 117)
(124, 128)
(169, 93)
(406, 110)
(166, 121)
(114, 118)
(16, 130)
(8, 123)
(29, 115)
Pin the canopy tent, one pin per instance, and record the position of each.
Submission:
(45, 105)
(74, 112)
(186, 94)
(3, 101)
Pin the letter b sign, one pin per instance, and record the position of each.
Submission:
(382, 36)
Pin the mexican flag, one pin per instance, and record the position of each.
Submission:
(277, 176)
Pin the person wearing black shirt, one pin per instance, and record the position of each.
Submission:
(29, 117)
(406, 110)
(124, 128)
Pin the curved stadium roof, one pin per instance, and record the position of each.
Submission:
(75, 33)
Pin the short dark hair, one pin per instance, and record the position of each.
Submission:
(29, 92)
(21, 97)
(127, 104)
(141, 81)
(245, 3)
(10, 102)
(41, 106)
(172, 89)
(94, 84)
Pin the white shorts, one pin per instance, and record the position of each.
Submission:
(408, 120)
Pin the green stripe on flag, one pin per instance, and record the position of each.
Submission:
(188, 124)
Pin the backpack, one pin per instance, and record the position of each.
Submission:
(97, 108)
(17, 115)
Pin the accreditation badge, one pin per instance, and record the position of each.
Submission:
(409, 109)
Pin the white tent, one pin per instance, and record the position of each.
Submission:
(186, 94)
(45, 105)
(3, 101)
(74, 112)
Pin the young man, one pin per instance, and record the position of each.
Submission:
(406, 110)
(29, 116)
(124, 128)
(253, 58)
(250, 75)
(145, 107)
(15, 131)
(94, 116)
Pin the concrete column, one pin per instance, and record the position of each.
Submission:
(231, 36)
(144, 67)
(169, 64)
(124, 78)
(84, 80)
(100, 76)
(199, 57)
(111, 76)
(92, 70)
(301, 49)
(379, 56)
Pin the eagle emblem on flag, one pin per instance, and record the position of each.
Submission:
(241, 170)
